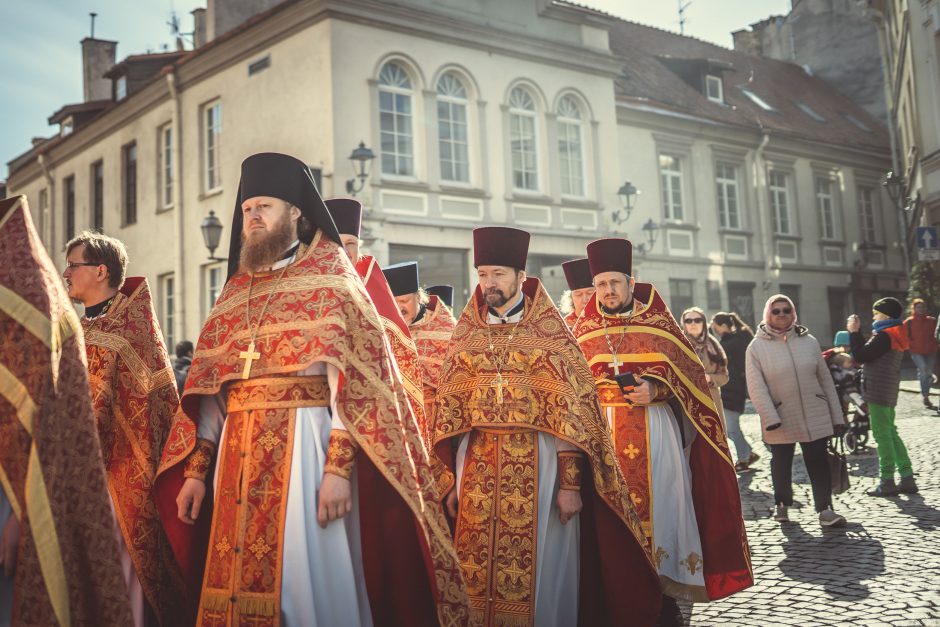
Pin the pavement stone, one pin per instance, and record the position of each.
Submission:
(883, 568)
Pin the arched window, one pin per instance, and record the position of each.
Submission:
(522, 140)
(395, 120)
(570, 147)
(452, 129)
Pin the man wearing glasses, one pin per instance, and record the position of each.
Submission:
(133, 395)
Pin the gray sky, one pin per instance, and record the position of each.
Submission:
(42, 65)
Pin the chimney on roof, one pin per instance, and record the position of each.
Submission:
(98, 56)
(199, 27)
(224, 15)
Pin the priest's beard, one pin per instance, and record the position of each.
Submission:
(496, 298)
(261, 249)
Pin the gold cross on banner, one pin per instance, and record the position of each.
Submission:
(249, 356)
(499, 387)
(616, 364)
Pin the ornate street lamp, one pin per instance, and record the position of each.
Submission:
(361, 159)
(627, 194)
(211, 234)
(651, 230)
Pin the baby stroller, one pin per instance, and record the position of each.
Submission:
(847, 378)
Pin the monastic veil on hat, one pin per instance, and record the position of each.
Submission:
(444, 292)
(578, 274)
(402, 278)
(611, 254)
(347, 214)
(284, 177)
(500, 246)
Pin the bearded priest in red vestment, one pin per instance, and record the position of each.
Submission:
(324, 505)
(580, 288)
(666, 430)
(57, 545)
(347, 215)
(133, 393)
(545, 531)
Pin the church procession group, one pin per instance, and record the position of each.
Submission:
(345, 452)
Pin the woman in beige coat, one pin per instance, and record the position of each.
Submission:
(790, 386)
(709, 352)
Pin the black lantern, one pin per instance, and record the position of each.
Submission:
(627, 194)
(651, 231)
(361, 159)
(211, 234)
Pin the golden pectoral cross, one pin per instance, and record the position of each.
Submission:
(616, 363)
(250, 356)
(499, 387)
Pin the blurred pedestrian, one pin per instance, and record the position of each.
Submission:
(709, 351)
(881, 358)
(735, 336)
(790, 386)
(920, 329)
(184, 359)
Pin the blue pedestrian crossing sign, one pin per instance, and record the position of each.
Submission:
(928, 244)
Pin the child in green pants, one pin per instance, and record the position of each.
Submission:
(881, 358)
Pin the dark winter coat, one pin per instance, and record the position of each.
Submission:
(881, 359)
(734, 392)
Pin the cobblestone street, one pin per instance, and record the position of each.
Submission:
(883, 568)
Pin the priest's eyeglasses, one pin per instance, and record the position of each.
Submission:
(71, 265)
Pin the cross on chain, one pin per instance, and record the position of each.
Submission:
(616, 363)
(250, 356)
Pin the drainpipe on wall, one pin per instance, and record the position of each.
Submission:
(763, 212)
(47, 226)
(179, 298)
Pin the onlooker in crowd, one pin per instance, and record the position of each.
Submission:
(881, 358)
(709, 352)
(184, 359)
(735, 336)
(790, 386)
(921, 330)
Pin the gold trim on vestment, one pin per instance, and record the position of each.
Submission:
(17, 395)
(36, 322)
(147, 380)
(279, 393)
(42, 529)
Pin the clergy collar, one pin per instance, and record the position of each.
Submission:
(287, 257)
(421, 311)
(626, 310)
(514, 311)
(100, 309)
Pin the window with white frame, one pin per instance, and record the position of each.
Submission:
(726, 182)
(714, 90)
(780, 202)
(866, 211)
(452, 129)
(670, 176)
(215, 279)
(212, 133)
(167, 287)
(826, 209)
(395, 120)
(165, 174)
(522, 140)
(570, 147)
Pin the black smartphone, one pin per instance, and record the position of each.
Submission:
(626, 381)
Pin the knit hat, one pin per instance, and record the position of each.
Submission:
(889, 306)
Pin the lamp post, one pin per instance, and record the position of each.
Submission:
(211, 228)
(361, 159)
(627, 194)
(651, 230)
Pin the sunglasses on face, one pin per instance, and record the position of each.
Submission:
(786, 311)
(694, 321)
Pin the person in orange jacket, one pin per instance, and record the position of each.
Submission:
(921, 330)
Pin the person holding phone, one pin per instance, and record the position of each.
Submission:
(791, 388)
(667, 431)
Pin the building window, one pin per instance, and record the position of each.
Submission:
(680, 295)
(215, 279)
(670, 176)
(130, 183)
(97, 196)
(395, 113)
(726, 181)
(866, 206)
(212, 119)
(69, 202)
(522, 140)
(165, 161)
(452, 129)
(43, 211)
(570, 147)
(824, 205)
(760, 102)
(167, 287)
(808, 110)
(779, 203)
(714, 89)
(120, 88)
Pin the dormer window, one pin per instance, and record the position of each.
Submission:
(714, 89)
(120, 88)
(760, 102)
(66, 126)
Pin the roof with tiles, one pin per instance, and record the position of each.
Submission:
(656, 61)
